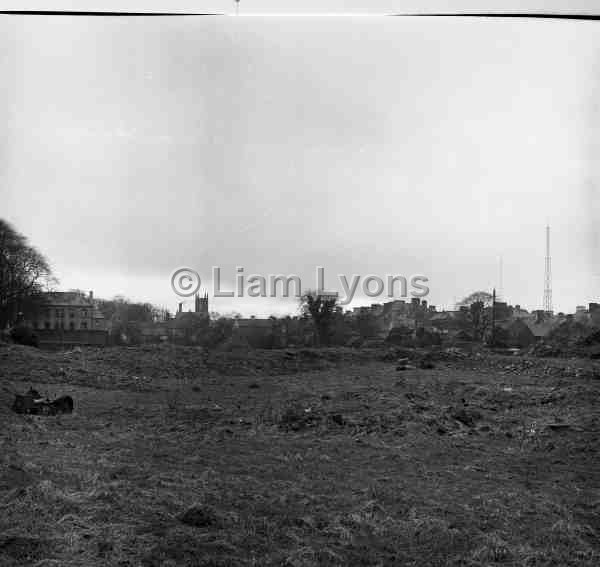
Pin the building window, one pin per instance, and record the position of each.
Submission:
(83, 325)
(71, 314)
(47, 325)
(84, 314)
(72, 326)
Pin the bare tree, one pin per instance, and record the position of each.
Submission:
(481, 296)
(24, 274)
(321, 309)
(478, 316)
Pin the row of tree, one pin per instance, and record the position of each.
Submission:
(24, 275)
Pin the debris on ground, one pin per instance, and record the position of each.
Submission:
(406, 367)
(200, 516)
(466, 416)
(33, 403)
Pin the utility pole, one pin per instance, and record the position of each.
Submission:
(548, 275)
(493, 333)
(500, 280)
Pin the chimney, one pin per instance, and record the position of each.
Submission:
(180, 308)
(91, 294)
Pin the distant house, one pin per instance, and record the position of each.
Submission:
(70, 310)
(541, 324)
(187, 327)
(444, 321)
(70, 318)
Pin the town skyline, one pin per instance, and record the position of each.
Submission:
(171, 154)
(280, 306)
(137, 291)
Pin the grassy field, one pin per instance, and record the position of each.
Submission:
(299, 458)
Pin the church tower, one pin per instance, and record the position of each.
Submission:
(201, 304)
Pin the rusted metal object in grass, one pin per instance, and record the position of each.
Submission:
(32, 403)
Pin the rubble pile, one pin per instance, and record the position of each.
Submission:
(570, 339)
(516, 365)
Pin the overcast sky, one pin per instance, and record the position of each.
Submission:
(433, 146)
(305, 6)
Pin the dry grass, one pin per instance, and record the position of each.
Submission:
(170, 460)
